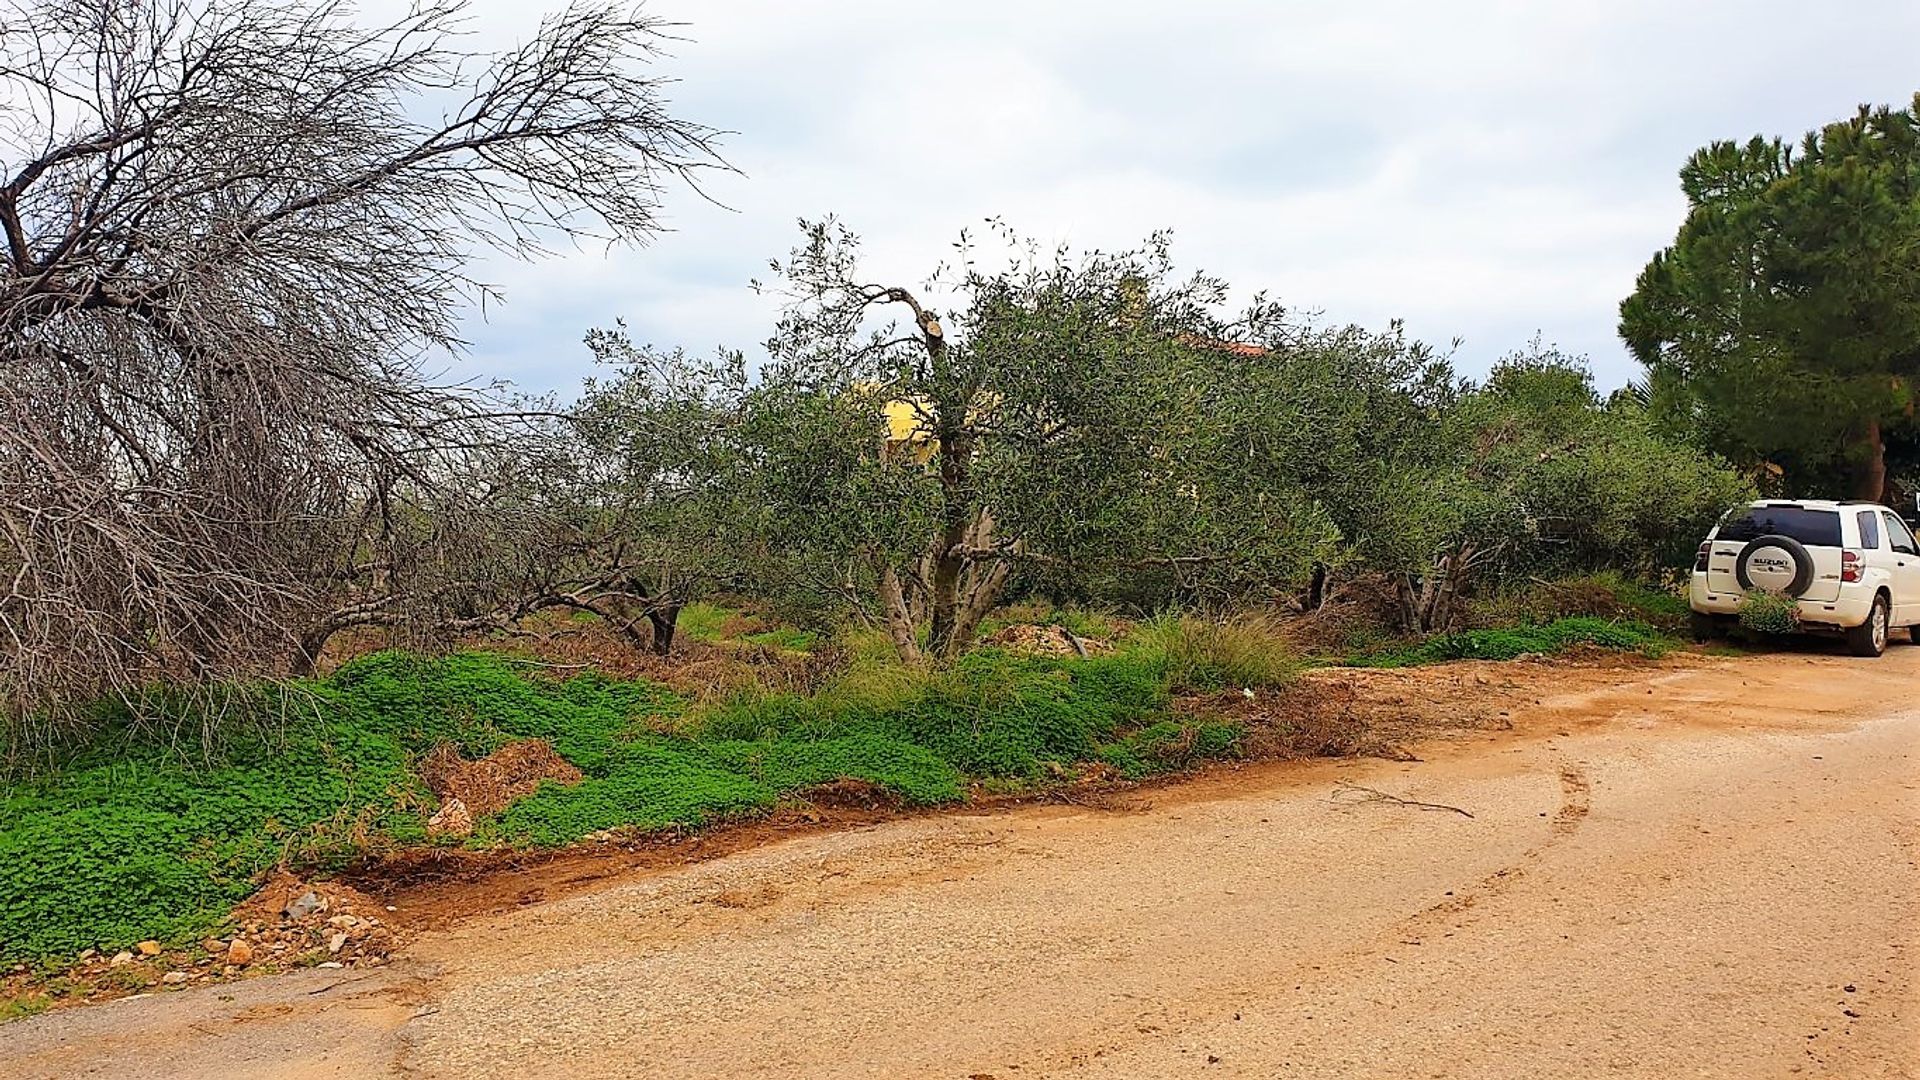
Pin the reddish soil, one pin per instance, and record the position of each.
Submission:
(1045, 641)
(497, 781)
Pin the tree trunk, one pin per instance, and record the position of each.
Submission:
(1428, 607)
(1317, 587)
(1455, 568)
(1408, 601)
(898, 619)
(949, 559)
(977, 585)
(665, 619)
(984, 586)
(1870, 472)
(307, 653)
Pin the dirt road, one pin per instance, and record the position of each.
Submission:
(1704, 869)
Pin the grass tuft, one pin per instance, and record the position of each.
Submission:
(1202, 656)
(1769, 613)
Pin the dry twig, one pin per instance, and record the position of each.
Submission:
(1369, 795)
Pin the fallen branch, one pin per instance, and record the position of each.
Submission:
(1368, 794)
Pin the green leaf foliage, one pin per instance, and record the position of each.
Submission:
(1170, 745)
(129, 839)
(991, 713)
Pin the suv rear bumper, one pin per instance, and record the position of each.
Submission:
(1849, 609)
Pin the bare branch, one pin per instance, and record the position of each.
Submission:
(235, 230)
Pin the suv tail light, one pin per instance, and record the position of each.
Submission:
(1700, 557)
(1850, 566)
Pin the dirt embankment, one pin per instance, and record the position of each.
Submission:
(1330, 713)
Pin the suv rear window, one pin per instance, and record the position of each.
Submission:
(1814, 528)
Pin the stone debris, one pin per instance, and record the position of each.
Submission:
(453, 819)
(338, 926)
(308, 903)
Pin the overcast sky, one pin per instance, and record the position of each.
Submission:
(1482, 170)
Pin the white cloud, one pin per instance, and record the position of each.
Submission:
(1484, 169)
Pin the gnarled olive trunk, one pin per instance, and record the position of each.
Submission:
(664, 618)
(1428, 602)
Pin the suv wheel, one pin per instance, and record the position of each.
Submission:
(1870, 637)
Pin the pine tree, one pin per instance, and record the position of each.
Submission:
(1783, 324)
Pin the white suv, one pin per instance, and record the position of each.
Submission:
(1854, 568)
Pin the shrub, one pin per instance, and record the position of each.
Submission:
(1085, 622)
(1605, 595)
(703, 621)
(1507, 643)
(784, 637)
(1769, 613)
(990, 713)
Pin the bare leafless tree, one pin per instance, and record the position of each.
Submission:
(231, 231)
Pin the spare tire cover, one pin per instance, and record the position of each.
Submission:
(1778, 564)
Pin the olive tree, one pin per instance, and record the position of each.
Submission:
(1587, 484)
(1531, 472)
(671, 506)
(1352, 422)
(1057, 417)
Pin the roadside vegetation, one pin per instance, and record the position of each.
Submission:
(166, 817)
(1018, 517)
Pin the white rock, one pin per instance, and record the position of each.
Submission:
(309, 903)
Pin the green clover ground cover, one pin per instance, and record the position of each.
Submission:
(127, 840)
